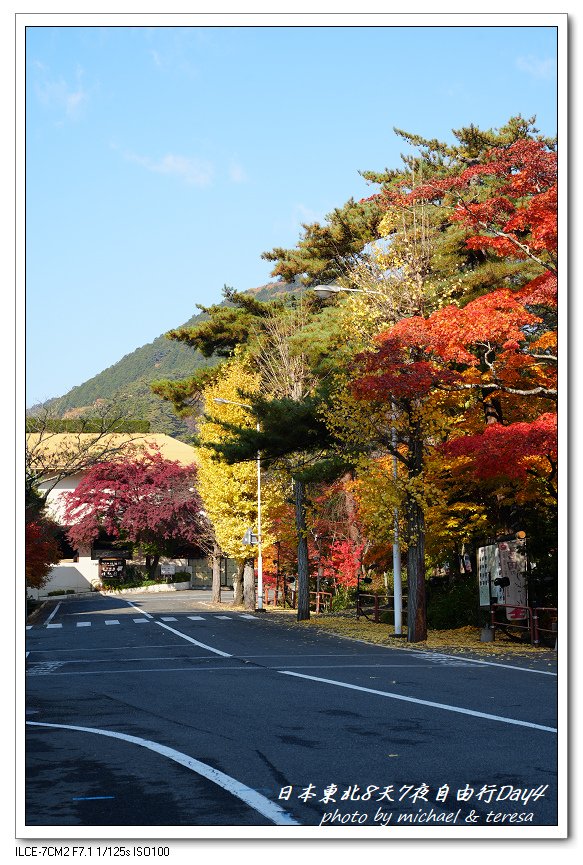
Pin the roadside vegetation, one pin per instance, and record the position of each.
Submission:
(401, 391)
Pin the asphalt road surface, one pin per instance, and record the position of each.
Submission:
(159, 710)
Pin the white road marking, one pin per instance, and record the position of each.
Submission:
(247, 616)
(28, 627)
(201, 618)
(54, 626)
(42, 668)
(169, 619)
(138, 621)
(112, 621)
(222, 617)
(139, 609)
(83, 624)
(484, 663)
(423, 702)
(53, 613)
(251, 797)
(196, 643)
(153, 670)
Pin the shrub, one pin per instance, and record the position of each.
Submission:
(343, 599)
(180, 577)
(453, 603)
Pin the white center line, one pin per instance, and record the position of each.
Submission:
(422, 702)
(255, 800)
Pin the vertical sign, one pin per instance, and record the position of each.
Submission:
(488, 571)
(513, 566)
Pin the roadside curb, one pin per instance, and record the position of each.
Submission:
(467, 653)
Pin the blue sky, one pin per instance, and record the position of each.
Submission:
(161, 162)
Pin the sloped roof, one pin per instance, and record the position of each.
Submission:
(53, 450)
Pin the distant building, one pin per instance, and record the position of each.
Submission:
(81, 570)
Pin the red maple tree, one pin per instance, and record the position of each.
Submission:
(41, 550)
(500, 349)
(501, 346)
(147, 500)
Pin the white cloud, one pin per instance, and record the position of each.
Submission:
(237, 173)
(193, 171)
(60, 94)
(537, 67)
(300, 215)
(156, 58)
(304, 214)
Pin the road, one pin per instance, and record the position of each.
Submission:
(159, 710)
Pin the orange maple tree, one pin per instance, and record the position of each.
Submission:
(499, 350)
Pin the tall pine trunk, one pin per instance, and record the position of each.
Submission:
(303, 566)
(238, 584)
(216, 588)
(249, 585)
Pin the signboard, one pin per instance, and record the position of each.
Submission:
(513, 566)
(100, 553)
(502, 575)
(488, 571)
(167, 570)
(250, 538)
(111, 569)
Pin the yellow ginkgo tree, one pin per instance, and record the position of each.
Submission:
(229, 492)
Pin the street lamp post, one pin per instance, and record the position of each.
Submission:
(327, 291)
(259, 539)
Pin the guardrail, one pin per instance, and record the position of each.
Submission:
(318, 600)
(375, 608)
(533, 618)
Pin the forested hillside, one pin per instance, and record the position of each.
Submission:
(130, 378)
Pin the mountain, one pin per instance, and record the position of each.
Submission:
(128, 381)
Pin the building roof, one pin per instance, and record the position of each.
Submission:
(52, 451)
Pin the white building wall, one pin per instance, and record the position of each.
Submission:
(80, 576)
(55, 503)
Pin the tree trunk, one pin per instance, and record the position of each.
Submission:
(151, 565)
(238, 584)
(416, 600)
(303, 565)
(249, 585)
(350, 507)
(216, 559)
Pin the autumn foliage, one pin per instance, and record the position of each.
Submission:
(511, 451)
(147, 500)
(41, 550)
(500, 346)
